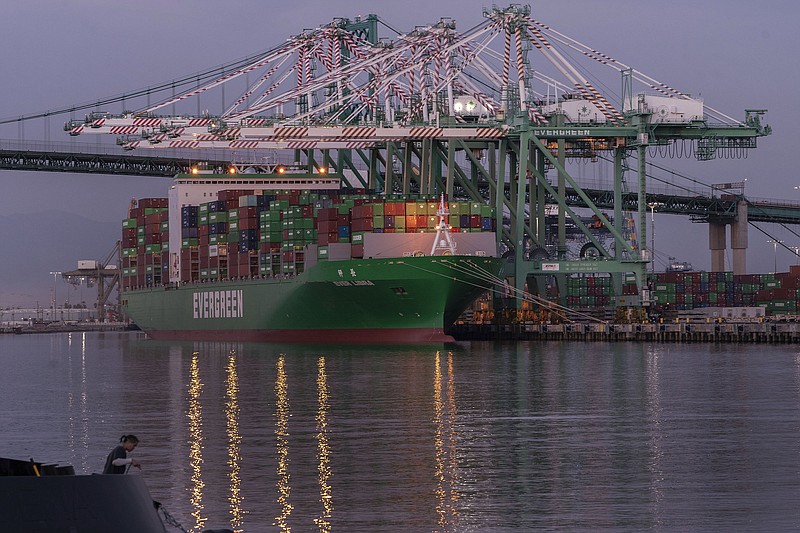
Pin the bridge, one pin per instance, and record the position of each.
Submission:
(436, 110)
(701, 202)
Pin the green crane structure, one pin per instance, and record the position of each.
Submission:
(434, 111)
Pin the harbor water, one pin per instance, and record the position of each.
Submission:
(474, 436)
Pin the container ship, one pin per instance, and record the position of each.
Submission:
(285, 257)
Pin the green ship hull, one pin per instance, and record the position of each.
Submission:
(407, 299)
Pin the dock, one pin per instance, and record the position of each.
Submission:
(748, 332)
(61, 327)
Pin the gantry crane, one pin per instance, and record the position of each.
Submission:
(470, 115)
(104, 273)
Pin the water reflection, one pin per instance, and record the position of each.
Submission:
(234, 442)
(656, 434)
(282, 445)
(445, 449)
(195, 414)
(525, 437)
(83, 415)
(323, 449)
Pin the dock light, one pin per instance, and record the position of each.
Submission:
(232, 170)
(775, 243)
(322, 170)
(281, 169)
(195, 170)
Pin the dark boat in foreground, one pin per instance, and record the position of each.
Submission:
(48, 498)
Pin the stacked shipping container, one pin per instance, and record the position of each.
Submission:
(679, 291)
(246, 233)
(145, 243)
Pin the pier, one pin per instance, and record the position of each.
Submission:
(748, 332)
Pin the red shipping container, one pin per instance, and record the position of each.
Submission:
(327, 226)
(394, 208)
(411, 222)
(327, 213)
(357, 250)
(152, 202)
(362, 224)
(248, 223)
(248, 212)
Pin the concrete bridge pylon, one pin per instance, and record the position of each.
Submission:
(717, 241)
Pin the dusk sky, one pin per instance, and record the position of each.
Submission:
(736, 55)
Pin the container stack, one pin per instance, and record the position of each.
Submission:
(145, 244)
(778, 294)
(246, 233)
(589, 291)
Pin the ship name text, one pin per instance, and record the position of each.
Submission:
(218, 304)
(354, 283)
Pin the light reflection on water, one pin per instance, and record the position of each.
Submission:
(445, 444)
(195, 414)
(472, 437)
(323, 450)
(234, 443)
(282, 444)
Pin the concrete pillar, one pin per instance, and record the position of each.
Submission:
(716, 243)
(739, 239)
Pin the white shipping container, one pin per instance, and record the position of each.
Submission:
(87, 264)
